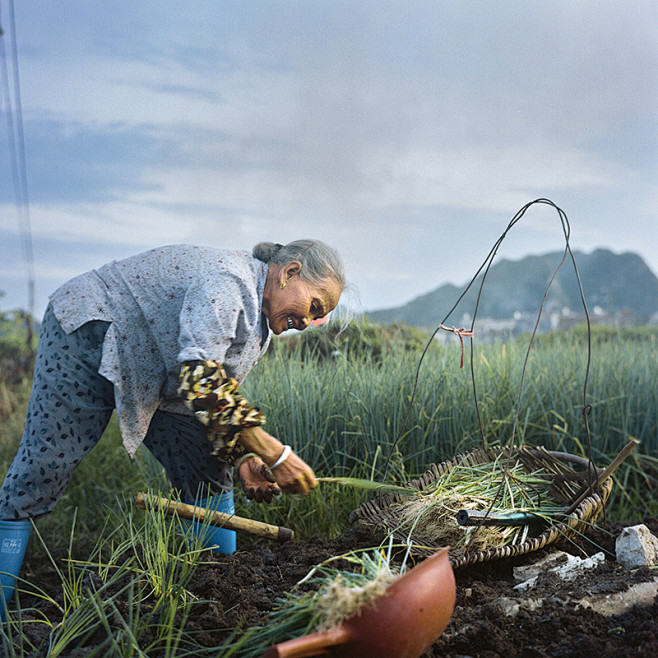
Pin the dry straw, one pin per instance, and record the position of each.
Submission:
(340, 597)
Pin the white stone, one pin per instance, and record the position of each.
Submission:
(637, 547)
(551, 561)
(574, 568)
(640, 594)
(617, 603)
(567, 571)
(509, 607)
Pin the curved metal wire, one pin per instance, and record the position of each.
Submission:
(484, 269)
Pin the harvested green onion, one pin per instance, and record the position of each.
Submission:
(496, 488)
(336, 596)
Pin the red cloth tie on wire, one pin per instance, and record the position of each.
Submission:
(461, 333)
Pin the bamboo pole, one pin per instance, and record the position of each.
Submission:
(606, 473)
(228, 521)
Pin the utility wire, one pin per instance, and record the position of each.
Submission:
(16, 141)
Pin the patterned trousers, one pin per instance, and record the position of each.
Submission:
(69, 408)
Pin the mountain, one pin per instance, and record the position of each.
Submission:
(612, 284)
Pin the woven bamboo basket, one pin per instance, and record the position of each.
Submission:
(569, 478)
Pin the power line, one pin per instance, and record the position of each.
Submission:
(18, 163)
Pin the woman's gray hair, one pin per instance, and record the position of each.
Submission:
(319, 261)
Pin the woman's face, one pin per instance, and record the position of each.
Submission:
(298, 302)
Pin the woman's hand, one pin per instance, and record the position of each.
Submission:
(257, 480)
(293, 475)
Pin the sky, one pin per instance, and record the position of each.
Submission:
(404, 134)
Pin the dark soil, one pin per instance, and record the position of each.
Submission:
(246, 584)
(241, 590)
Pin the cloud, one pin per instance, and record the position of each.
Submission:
(405, 133)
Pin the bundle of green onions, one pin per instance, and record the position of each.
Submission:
(334, 595)
(497, 488)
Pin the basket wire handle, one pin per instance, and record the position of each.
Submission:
(566, 229)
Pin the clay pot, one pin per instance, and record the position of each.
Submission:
(401, 623)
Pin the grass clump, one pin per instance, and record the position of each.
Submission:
(128, 597)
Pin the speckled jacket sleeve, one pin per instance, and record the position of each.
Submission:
(214, 400)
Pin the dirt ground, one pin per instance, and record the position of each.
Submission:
(242, 588)
(253, 578)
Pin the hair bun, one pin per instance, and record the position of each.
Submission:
(266, 251)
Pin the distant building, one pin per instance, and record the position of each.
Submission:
(552, 319)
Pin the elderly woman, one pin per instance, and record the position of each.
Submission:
(166, 337)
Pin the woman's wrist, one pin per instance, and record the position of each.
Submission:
(256, 439)
(247, 455)
(284, 455)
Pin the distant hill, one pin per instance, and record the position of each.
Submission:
(613, 283)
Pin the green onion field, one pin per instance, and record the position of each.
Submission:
(340, 402)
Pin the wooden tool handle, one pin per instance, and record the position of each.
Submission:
(229, 521)
(606, 473)
(311, 645)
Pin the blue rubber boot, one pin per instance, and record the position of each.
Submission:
(14, 536)
(220, 540)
